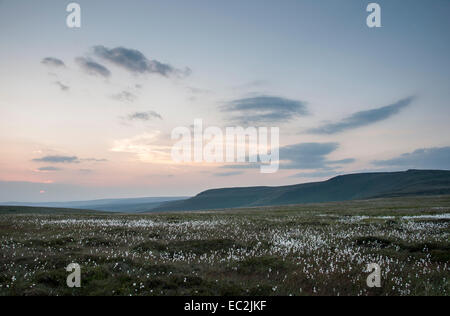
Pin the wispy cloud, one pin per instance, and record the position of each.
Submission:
(66, 159)
(363, 118)
(49, 169)
(144, 116)
(58, 159)
(148, 147)
(93, 68)
(228, 174)
(264, 109)
(341, 162)
(52, 62)
(427, 158)
(310, 156)
(94, 160)
(304, 156)
(136, 62)
(124, 96)
(62, 86)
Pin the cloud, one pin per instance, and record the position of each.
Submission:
(124, 96)
(93, 68)
(363, 118)
(66, 159)
(304, 156)
(426, 158)
(144, 116)
(341, 162)
(49, 169)
(53, 62)
(62, 86)
(58, 159)
(94, 160)
(309, 156)
(228, 174)
(149, 147)
(136, 62)
(264, 109)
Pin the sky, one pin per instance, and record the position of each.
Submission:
(88, 112)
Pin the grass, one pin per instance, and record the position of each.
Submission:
(317, 249)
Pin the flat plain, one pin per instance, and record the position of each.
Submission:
(298, 250)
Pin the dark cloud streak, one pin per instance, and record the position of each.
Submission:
(66, 159)
(136, 62)
(62, 86)
(53, 62)
(304, 156)
(363, 118)
(92, 67)
(49, 169)
(144, 116)
(264, 109)
(307, 155)
(58, 159)
(426, 158)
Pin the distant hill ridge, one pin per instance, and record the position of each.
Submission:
(341, 188)
(131, 205)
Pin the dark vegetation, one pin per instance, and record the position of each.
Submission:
(316, 249)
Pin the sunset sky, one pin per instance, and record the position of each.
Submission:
(88, 113)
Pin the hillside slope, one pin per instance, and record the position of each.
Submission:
(341, 188)
(131, 205)
(20, 210)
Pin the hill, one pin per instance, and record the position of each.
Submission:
(341, 188)
(131, 205)
(10, 209)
